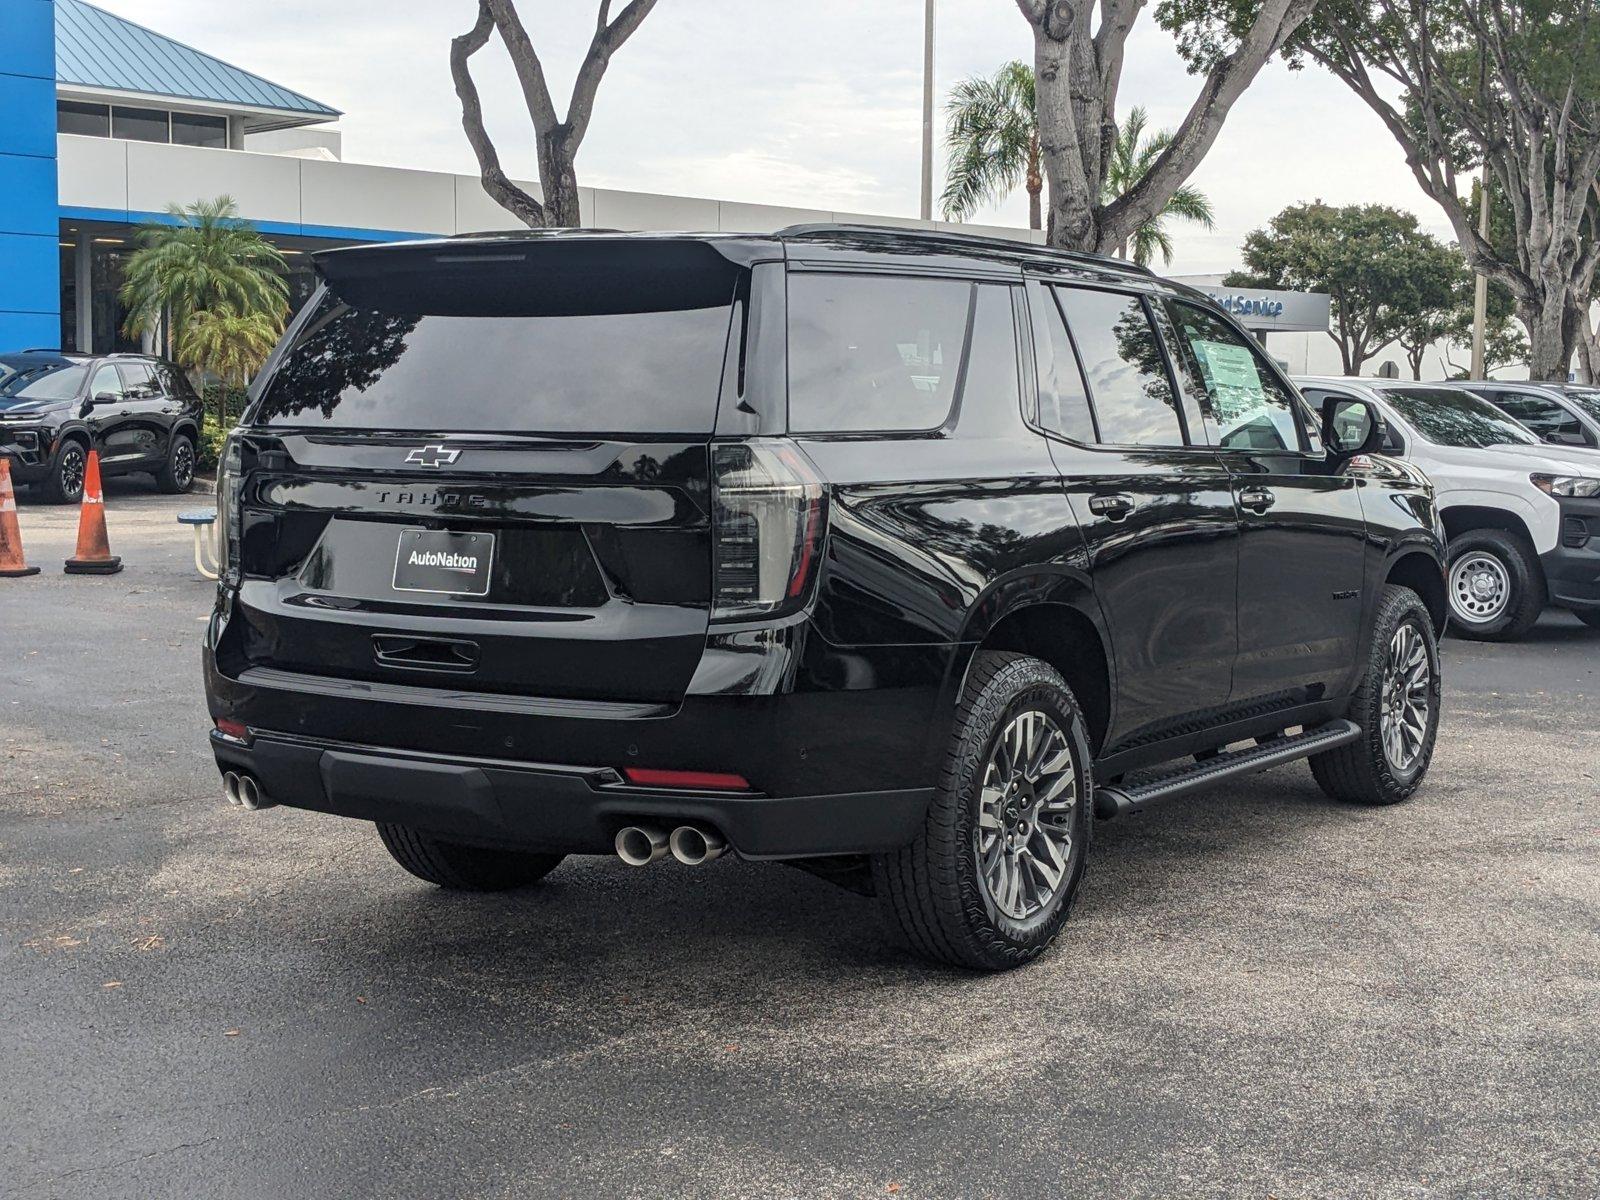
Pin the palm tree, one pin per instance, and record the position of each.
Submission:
(992, 143)
(1131, 157)
(203, 258)
(231, 344)
(218, 285)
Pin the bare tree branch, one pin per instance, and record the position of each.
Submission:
(495, 181)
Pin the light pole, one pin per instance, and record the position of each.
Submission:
(927, 111)
(1480, 288)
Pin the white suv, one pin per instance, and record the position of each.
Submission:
(1522, 517)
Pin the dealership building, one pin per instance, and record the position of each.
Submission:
(104, 124)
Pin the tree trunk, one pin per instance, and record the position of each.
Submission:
(1552, 330)
(559, 177)
(1414, 357)
(1035, 186)
(1589, 353)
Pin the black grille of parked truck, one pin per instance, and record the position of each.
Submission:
(898, 556)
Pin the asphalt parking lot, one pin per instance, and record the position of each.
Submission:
(1262, 994)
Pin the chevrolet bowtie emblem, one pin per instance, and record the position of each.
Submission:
(432, 456)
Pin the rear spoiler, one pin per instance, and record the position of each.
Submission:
(539, 273)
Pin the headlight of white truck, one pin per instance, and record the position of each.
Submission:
(1567, 485)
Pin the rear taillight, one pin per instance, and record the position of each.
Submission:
(230, 480)
(769, 518)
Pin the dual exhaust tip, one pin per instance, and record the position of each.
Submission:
(244, 791)
(641, 845)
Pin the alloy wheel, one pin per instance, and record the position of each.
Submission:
(71, 469)
(1406, 698)
(1023, 839)
(1480, 588)
(183, 464)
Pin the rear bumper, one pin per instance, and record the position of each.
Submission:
(552, 807)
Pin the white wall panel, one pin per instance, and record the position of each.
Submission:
(266, 187)
(92, 172)
(644, 210)
(351, 195)
(766, 218)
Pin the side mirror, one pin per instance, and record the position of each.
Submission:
(101, 398)
(1565, 439)
(1351, 427)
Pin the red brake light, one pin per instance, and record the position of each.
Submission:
(693, 780)
(769, 518)
(237, 730)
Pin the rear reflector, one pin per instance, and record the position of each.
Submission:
(694, 780)
(237, 730)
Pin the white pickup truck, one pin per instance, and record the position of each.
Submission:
(1522, 517)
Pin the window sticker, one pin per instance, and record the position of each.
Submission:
(1233, 380)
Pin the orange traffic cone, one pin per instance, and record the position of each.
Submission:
(12, 564)
(94, 555)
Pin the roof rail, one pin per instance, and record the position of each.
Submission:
(821, 229)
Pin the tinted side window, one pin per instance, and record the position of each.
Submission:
(1542, 416)
(874, 352)
(1134, 404)
(1063, 396)
(1250, 408)
(138, 379)
(106, 379)
(990, 383)
(173, 382)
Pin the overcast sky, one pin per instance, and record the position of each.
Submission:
(815, 105)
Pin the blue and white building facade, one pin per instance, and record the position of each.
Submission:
(104, 123)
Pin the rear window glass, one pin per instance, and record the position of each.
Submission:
(438, 361)
(874, 352)
(1451, 417)
(1589, 402)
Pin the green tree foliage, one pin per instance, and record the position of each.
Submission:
(1508, 86)
(993, 148)
(205, 260)
(1386, 277)
(992, 143)
(1132, 156)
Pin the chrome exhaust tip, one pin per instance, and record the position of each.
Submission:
(640, 845)
(694, 844)
(243, 790)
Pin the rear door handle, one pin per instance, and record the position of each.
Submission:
(1113, 508)
(424, 654)
(1257, 499)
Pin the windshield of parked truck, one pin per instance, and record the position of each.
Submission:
(47, 381)
(1588, 401)
(1451, 417)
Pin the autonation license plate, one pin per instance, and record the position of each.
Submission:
(439, 560)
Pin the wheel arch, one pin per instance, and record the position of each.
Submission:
(189, 426)
(1422, 572)
(1463, 518)
(1056, 619)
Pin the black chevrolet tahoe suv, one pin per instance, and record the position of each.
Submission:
(899, 556)
(138, 412)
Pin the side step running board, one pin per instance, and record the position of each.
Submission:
(1118, 801)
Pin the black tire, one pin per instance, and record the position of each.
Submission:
(1364, 772)
(177, 473)
(934, 889)
(64, 484)
(464, 868)
(1512, 564)
(1589, 616)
